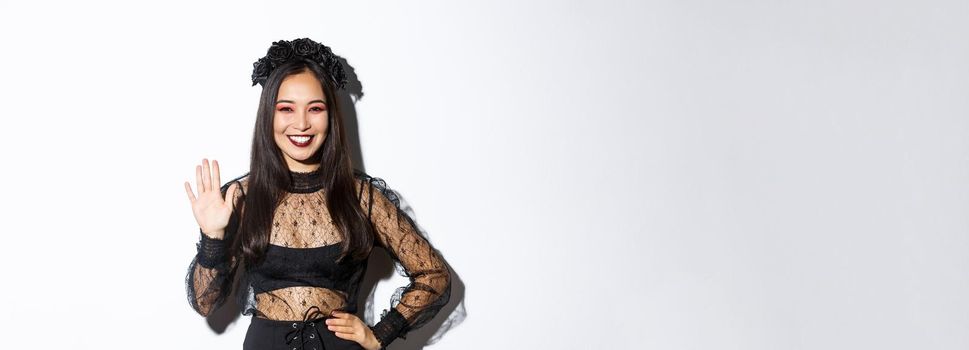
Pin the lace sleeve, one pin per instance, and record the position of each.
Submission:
(429, 289)
(210, 274)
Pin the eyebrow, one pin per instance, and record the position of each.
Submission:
(311, 102)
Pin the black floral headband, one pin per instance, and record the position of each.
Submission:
(282, 51)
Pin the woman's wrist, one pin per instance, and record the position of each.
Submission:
(371, 342)
(211, 251)
(370, 339)
(390, 327)
(214, 234)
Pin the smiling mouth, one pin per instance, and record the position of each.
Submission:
(300, 140)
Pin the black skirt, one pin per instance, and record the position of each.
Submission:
(266, 334)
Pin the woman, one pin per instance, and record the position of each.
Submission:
(301, 223)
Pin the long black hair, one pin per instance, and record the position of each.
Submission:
(269, 175)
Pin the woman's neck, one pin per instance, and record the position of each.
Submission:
(301, 167)
(305, 180)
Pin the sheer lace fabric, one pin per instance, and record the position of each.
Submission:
(303, 244)
(415, 304)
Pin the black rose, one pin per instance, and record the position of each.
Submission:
(337, 73)
(325, 51)
(305, 47)
(260, 70)
(261, 67)
(320, 58)
(280, 51)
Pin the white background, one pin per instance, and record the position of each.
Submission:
(600, 174)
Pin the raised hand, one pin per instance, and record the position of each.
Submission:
(211, 211)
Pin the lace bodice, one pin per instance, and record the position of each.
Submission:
(300, 268)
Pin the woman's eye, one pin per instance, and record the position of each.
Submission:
(285, 109)
(317, 109)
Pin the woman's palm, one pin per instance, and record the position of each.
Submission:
(211, 211)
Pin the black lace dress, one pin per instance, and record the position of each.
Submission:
(300, 279)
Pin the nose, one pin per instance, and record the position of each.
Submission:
(302, 121)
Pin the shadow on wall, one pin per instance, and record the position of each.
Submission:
(380, 265)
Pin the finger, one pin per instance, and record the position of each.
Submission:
(342, 329)
(198, 179)
(215, 174)
(338, 322)
(230, 195)
(206, 175)
(347, 336)
(188, 190)
(342, 335)
(340, 314)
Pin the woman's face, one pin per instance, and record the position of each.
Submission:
(300, 120)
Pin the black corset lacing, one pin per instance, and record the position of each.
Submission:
(309, 323)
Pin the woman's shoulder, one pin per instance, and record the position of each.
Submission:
(362, 178)
(361, 175)
(243, 181)
(367, 179)
(374, 184)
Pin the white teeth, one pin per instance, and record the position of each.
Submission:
(300, 139)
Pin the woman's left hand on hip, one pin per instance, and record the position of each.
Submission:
(350, 327)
